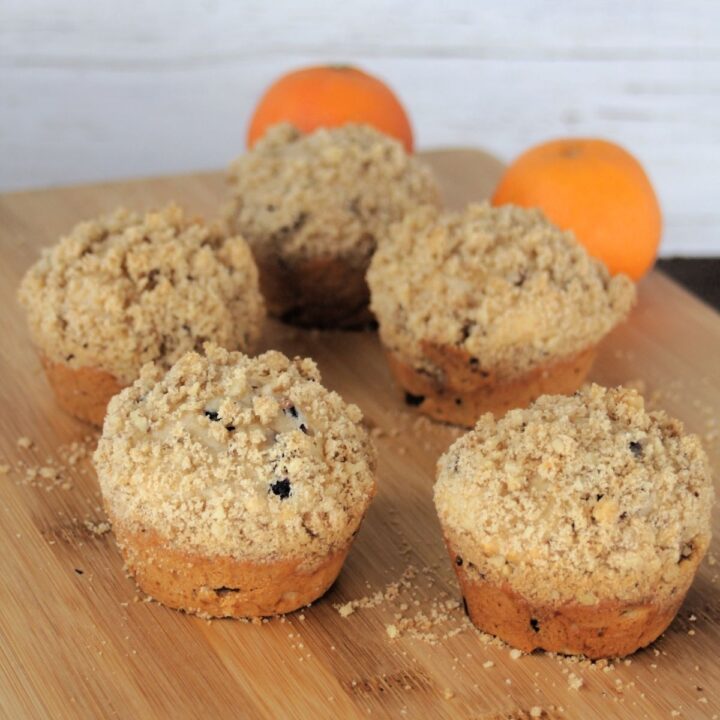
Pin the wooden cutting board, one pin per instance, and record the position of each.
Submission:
(78, 641)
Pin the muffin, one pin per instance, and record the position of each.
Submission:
(234, 485)
(576, 525)
(126, 289)
(485, 310)
(313, 208)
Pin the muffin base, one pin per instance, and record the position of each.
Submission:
(221, 586)
(462, 392)
(82, 392)
(607, 629)
(323, 292)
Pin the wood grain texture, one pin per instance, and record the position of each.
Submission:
(77, 646)
(92, 91)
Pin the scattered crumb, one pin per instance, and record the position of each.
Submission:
(535, 711)
(488, 664)
(575, 682)
(99, 529)
(346, 609)
(57, 470)
(392, 631)
(515, 653)
(416, 614)
(448, 694)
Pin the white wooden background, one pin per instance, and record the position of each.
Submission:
(97, 89)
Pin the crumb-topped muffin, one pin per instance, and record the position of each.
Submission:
(127, 289)
(576, 525)
(313, 208)
(487, 309)
(235, 485)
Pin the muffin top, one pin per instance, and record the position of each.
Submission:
(126, 289)
(331, 192)
(577, 498)
(236, 456)
(502, 284)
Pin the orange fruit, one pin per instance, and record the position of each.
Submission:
(596, 189)
(328, 96)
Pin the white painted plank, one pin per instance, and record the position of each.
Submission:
(35, 31)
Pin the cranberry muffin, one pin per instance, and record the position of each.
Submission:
(235, 485)
(313, 208)
(576, 525)
(127, 289)
(487, 309)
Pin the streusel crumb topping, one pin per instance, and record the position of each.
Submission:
(126, 289)
(504, 284)
(231, 455)
(331, 192)
(577, 498)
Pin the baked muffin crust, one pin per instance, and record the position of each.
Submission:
(328, 193)
(502, 284)
(577, 499)
(228, 455)
(126, 289)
